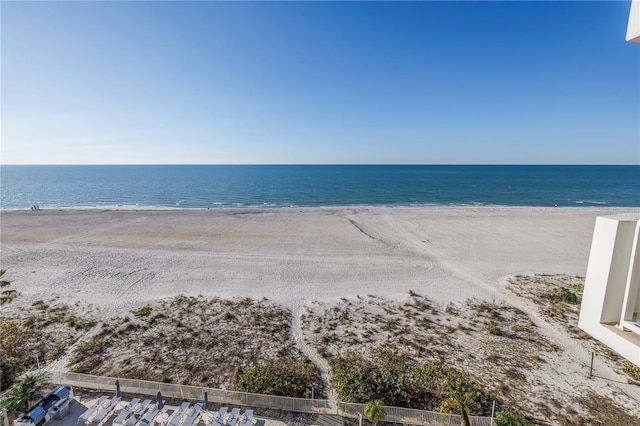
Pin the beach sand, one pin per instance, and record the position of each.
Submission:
(319, 262)
(116, 259)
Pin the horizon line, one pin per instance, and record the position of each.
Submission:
(321, 164)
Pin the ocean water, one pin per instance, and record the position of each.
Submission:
(216, 186)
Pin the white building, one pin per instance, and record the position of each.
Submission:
(633, 29)
(611, 299)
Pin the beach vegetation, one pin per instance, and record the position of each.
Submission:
(142, 312)
(24, 393)
(398, 380)
(39, 304)
(193, 337)
(87, 349)
(451, 309)
(494, 328)
(631, 370)
(375, 411)
(6, 294)
(37, 333)
(564, 294)
(57, 350)
(12, 363)
(514, 374)
(293, 377)
(605, 410)
(509, 418)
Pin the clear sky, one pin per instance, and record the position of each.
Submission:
(323, 82)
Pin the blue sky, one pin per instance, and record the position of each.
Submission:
(324, 82)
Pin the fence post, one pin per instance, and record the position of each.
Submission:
(493, 410)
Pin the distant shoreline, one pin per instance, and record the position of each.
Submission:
(596, 206)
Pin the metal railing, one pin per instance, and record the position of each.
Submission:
(193, 393)
(220, 396)
(412, 416)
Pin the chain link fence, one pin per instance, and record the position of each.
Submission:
(193, 393)
(410, 416)
(405, 416)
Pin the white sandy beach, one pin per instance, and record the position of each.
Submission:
(109, 261)
(117, 259)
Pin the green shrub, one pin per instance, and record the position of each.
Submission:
(563, 294)
(142, 312)
(399, 381)
(286, 377)
(11, 357)
(506, 418)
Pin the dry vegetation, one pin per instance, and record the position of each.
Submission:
(497, 344)
(602, 412)
(558, 299)
(206, 342)
(39, 332)
(213, 342)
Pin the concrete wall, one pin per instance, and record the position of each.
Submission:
(612, 284)
(631, 304)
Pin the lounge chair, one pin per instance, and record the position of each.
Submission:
(125, 412)
(222, 412)
(177, 415)
(132, 420)
(106, 409)
(234, 417)
(207, 416)
(151, 414)
(192, 416)
(96, 405)
(246, 418)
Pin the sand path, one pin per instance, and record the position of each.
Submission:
(573, 364)
(312, 354)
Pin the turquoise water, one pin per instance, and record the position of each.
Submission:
(192, 186)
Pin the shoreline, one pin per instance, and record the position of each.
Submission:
(585, 205)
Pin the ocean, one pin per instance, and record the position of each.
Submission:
(272, 186)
